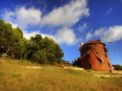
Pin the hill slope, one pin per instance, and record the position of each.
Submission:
(25, 76)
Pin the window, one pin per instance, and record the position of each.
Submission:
(99, 60)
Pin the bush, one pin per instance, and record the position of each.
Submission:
(117, 67)
(77, 62)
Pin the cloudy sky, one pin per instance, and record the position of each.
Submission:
(69, 22)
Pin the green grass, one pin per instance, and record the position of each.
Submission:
(18, 76)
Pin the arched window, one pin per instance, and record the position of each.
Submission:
(99, 60)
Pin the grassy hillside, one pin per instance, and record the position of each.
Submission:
(26, 76)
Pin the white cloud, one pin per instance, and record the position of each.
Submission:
(67, 15)
(48, 35)
(29, 16)
(14, 25)
(99, 32)
(23, 16)
(113, 34)
(89, 36)
(65, 35)
(28, 35)
(64, 16)
(8, 15)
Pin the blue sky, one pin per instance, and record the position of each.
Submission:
(69, 22)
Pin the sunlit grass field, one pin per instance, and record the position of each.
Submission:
(27, 76)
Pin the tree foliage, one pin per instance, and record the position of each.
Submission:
(11, 40)
(39, 49)
(46, 47)
(76, 62)
(117, 67)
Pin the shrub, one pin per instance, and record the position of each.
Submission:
(117, 67)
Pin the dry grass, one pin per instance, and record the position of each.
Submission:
(26, 76)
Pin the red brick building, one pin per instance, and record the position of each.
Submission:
(93, 55)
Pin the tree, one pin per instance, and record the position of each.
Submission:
(11, 40)
(46, 47)
(40, 57)
(117, 67)
(39, 49)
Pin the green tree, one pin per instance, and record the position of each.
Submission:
(38, 48)
(11, 40)
(48, 47)
(40, 57)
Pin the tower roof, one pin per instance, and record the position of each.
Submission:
(93, 42)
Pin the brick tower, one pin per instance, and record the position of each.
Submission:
(93, 55)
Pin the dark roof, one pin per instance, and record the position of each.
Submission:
(93, 42)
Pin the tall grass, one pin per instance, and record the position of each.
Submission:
(15, 76)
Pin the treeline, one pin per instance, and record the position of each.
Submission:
(117, 67)
(39, 49)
